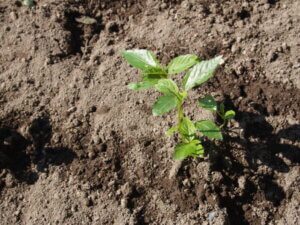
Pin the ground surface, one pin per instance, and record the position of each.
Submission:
(78, 147)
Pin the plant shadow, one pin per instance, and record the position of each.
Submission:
(25, 157)
(264, 152)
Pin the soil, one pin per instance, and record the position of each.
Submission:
(78, 147)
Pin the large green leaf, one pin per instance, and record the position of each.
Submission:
(209, 129)
(144, 60)
(230, 114)
(208, 103)
(187, 129)
(168, 87)
(201, 72)
(183, 150)
(164, 104)
(148, 81)
(182, 63)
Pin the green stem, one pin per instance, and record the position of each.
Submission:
(224, 120)
(180, 116)
(179, 113)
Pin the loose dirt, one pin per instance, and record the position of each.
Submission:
(78, 147)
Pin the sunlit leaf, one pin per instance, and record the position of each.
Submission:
(164, 104)
(208, 103)
(209, 129)
(143, 85)
(144, 60)
(148, 81)
(183, 150)
(28, 3)
(171, 131)
(187, 129)
(167, 87)
(182, 63)
(201, 72)
(230, 114)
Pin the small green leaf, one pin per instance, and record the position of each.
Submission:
(143, 85)
(171, 131)
(187, 129)
(209, 129)
(182, 63)
(28, 3)
(144, 60)
(230, 114)
(86, 20)
(183, 95)
(201, 72)
(183, 150)
(208, 103)
(164, 104)
(167, 86)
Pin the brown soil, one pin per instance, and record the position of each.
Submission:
(78, 147)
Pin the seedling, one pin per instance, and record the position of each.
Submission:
(158, 76)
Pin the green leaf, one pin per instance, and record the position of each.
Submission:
(182, 63)
(209, 129)
(208, 103)
(153, 78)
(148, 81)
(28, 3)
(144, 60)
(164, 104)
(183, 150)
(187, 129)
(168, 87)
(230, 114)
(140, 86)
(200, 73)
(171, 131)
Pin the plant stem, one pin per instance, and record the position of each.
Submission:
(223, 118)
(180, 116)
(179, 113)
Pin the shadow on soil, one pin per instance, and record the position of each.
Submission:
(262, 147)
(19, 154)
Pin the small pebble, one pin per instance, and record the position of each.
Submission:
(284, 46)
(91, 155)
(163, 6)
(242, 182)
(9, 181)
(126, 189)
(124, 202)
(235, 49)
(267, 6)
(186, 182)
(74, 208)
(13, 15)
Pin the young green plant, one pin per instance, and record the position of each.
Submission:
(158, 76)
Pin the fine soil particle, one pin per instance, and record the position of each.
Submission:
(78, 147)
